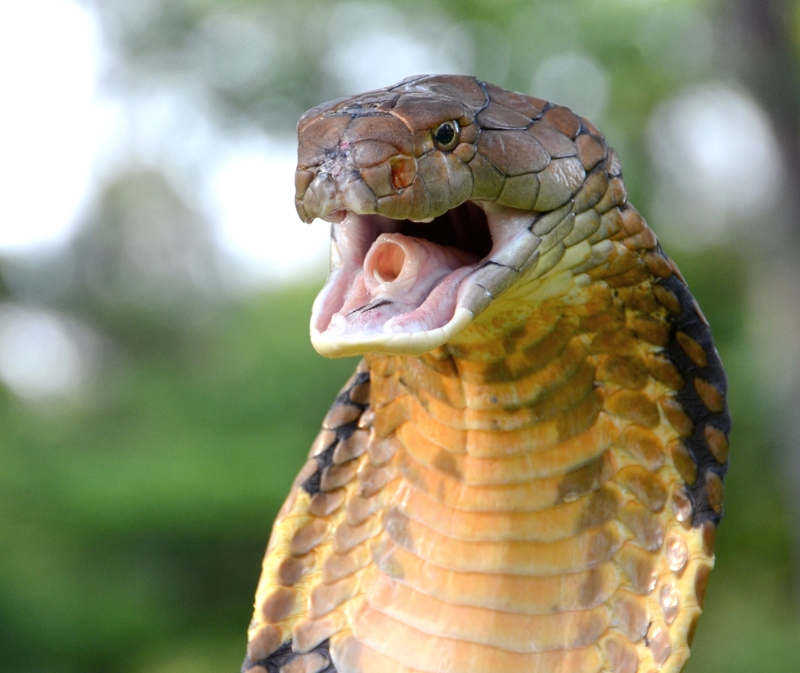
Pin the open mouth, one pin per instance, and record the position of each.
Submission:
(401, 286)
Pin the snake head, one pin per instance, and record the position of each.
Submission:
(441, 192)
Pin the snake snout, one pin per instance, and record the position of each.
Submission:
(330, 192)
(319, 199)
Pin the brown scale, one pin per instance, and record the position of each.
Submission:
(546, 500)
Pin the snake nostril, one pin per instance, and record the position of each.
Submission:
(404, 170)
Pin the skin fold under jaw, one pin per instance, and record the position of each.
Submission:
(526, 470)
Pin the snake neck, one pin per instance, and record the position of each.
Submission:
(530, 376)
(479, 400)
(543, 489)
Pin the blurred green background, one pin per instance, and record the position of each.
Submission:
(158, 393)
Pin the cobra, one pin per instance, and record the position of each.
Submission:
(525, 472)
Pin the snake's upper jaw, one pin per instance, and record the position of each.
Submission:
(404, 287)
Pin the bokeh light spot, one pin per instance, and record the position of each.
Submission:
(574, 80)
(53, 123)
(382, 48)
(718, 161)
(39, 354)
(255, 219)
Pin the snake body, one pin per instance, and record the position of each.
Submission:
(525, 473)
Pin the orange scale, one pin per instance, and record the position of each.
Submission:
(442, 412)
(491, 396)
(338, 566)
(431, 430)
(385, 388)
(324, 598)
(468, 419)
(645, 446)
(648, 488)
(612, 319)
(509, 593)
(579, 552)
(500, 419)
(621, 656)
(693, 349)
(640, 567)
(617, 341)
(530, 388)
(472, 347)
(536, 438)
(469, 469)
(479, 350)
(630, 614)
(414, 649)
(641, 298)
(390, 416)
(419, 378)
(440, 360)
(427, 452)
(581, 417)
(528, 496)
(505, 630)
(621, 260)
(351, 656)
(533, 356)
(547, 525)
(615, 195)
(592, 299)
(568, 395)
(308, 633)
(535, 386)
(379, 366)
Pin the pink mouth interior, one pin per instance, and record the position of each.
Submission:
(399, 276)
(406, 284)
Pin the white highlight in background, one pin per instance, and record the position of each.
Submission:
(53, 123)
(384, 45)
(574, 80)
(718, 160)
(40, 355)
(58, 133)
(252, 206)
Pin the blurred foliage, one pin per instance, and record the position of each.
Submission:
(134, 517)
(139, 525)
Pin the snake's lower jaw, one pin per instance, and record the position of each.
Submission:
(393, 289)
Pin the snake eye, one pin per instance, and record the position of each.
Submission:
(445, 137)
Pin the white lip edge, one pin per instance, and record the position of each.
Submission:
(403, 343)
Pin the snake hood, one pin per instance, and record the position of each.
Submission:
(442, 191)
